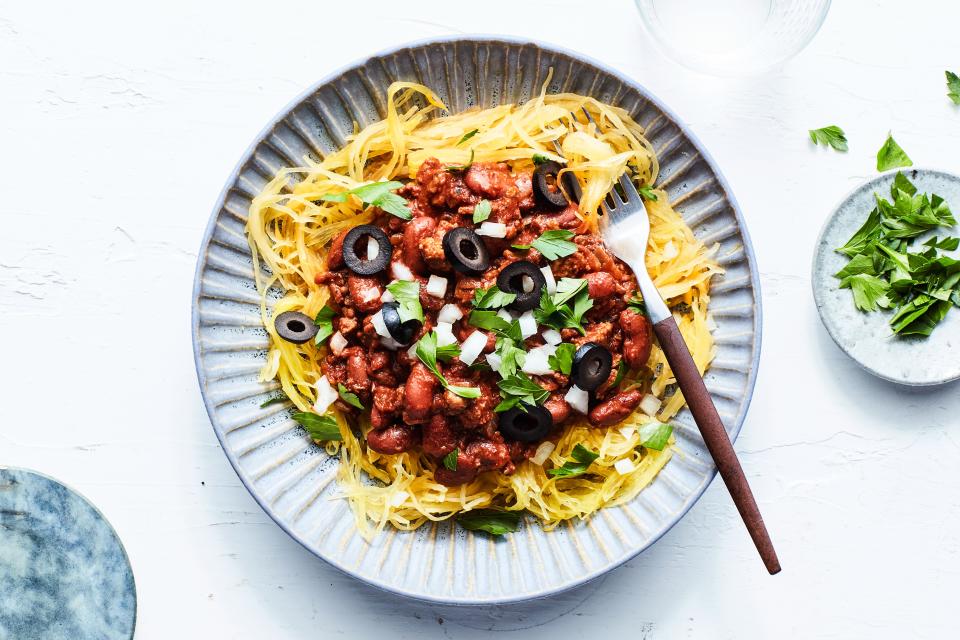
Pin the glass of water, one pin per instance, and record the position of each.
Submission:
(732, 37)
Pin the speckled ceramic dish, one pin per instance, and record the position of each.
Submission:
(294, 480)
(866, 337)
(63, 573)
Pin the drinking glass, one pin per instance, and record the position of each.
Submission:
(732, 37)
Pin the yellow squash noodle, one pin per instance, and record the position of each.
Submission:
(290, 228)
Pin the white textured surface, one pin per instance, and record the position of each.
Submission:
(857, 478)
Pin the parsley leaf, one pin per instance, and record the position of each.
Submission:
(567, 288)
(582, 459)
(348, 396)
(467, 136)
(319, 427)
(555, 244)
(454, 168)
(487, 320)
(428, 353)
(518, 388)
(512, 356)
(539, 158)
(520, 247)
(869, 291)
(891, 155)
(492, 298)
(280, 398)
(450, 460)
(377, 194)
(556, 312)
(953, 87)
(832, 136)
(562, 360)
(637, 304)
(493, 521)
(647, 193)
(655, 435)
(481, 211)
(324, 320)
(407, 294)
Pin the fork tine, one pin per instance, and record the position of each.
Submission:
(629, 189)
(571, 180)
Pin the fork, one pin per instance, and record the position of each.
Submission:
(625, 233)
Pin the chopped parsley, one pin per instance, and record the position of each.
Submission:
(492, 521)
(407, 293)
(655, 435)
(953, 87)
(428, 352)
(539, 159)
(891, 155)
(467, 136)
(492, 298)
(461, 167)
(647, 193)
(274, 400)
(562, 360)
(481, 211)
(349, 397)
(489, 320)
(832, 136)
(517, 390)
(637, 304)
(450, 460)
(883, 273)
(319, 427)
(377, 194)
(566, 307)
(554, 244)
(324, 321)
(581, 460)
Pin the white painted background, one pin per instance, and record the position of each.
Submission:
(118, 125)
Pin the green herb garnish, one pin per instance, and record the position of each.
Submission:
(953, 87)
(562, 360)
(324, 321)
(493, 521)
(274, 400)
(319, 427)
(489, 320)
(454, 168)
(467, 136)
(377, 194)
(566, 307)
(655, 435)
(349, 397)
(407, 294)
(539, 158)
(637, 304)
(481, 211)
(582, 459)
(832, 136)
(450, 460)
(555, 244)
(428, 353)
(647, 193)
(517, 390)
(884, 274)
(492, 298)
(891, 155)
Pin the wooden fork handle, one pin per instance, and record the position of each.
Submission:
(715, 436)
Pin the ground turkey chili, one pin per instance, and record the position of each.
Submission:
(409, 405)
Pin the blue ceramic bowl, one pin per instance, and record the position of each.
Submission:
(293, 480)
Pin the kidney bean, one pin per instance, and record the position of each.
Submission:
(365, 293)
(335, 254)
(638, 339)
(390, 440)
(616, 408)
(415, 230)
(418, 394)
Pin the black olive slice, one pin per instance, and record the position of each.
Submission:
(591, 366)
(546, 187)
(526, 426)
(465, 251)
(355, 250)
(295, 327)
(511, 280)
(402, 332)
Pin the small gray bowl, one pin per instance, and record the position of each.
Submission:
(867, 337)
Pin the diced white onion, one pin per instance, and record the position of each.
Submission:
(494, 361)
(338, 343)
(450, 313)
(398, 498)
(412, 351)
(551, 282)
(650, 404)
(386, 296)
(379, 325)
(326, 395)
(444, 333)
(627, 431)
(369, 294)
(492, 230)
(536, 361)
(552, 336)
(373, 248)
(527, 283)
(528, 324)
(578, 399)
(543, 452)
(401, 271)
(503, 313)
(624, 466)
(472, 347)
(437, 286)
(669, 251)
